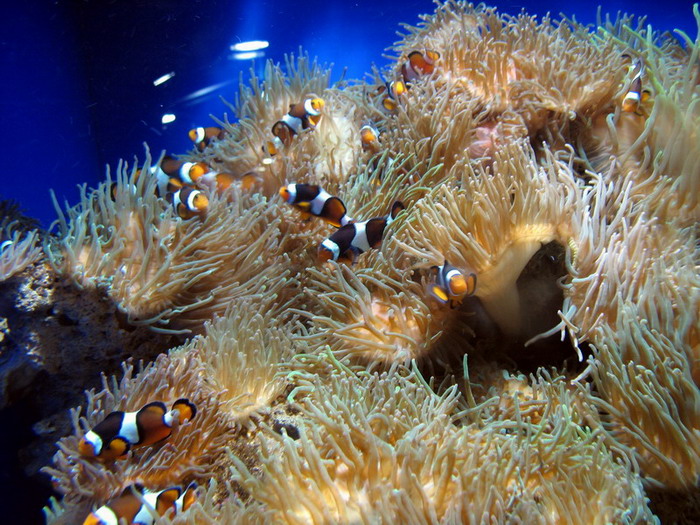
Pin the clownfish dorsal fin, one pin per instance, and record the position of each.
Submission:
(185, 408)
(129, 490)
(155, 406)
(166, 499)
(414, 54)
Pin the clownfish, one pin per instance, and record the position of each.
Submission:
(636, 96)
(450, 285)
(369, 137)
(203, 136)
(393, 91)
(135, 510)
(188, 202)
(185, 172)
(302, 116)
(314, 200)
(164, 183)
(418, 64)
(119, 431)
(357, 237)
(215, 180)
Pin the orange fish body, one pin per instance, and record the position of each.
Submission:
(202, 137)
(392, 91)
(188, 202)
(114, 436)
(135, 510)
(186, 172)
(450, 285)
(358, 237)
(419, 64)
(302, 116)
(314, 200)
(369, 138)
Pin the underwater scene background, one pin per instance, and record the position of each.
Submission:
(446, 276)
(85, 70)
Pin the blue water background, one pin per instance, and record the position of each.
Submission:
(78, 92)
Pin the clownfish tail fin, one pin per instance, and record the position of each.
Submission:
(185, 408)
(396, 208)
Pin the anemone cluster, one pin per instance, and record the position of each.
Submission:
(565, 390)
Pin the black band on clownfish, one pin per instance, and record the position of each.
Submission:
(203, 136)
(314, 200)
(357, 237)
(188, 202)
(302, 116)
(136, 505)
(450, 285)
(119, 431)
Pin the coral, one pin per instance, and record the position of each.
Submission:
(564, 390)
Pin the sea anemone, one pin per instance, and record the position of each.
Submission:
(192, 452)
(516, 163)
(165, 272)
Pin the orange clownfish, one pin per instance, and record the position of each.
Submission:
(369, 137)
(636, 96)
(302, 116)
(188, 202)
(203, 136)
(131, 509)
(357, 237)
(191, 173)
(215, 180)
(119, 431)
(314, 200)
(185, 172)
(418, 64)
(393, 91)
(449, 285)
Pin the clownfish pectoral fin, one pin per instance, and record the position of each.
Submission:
(471, 284)
(93, 519)
(166, 500)
(349, 257)
(117, 448)
(439, 293)
(185, 408)
(389, 104)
